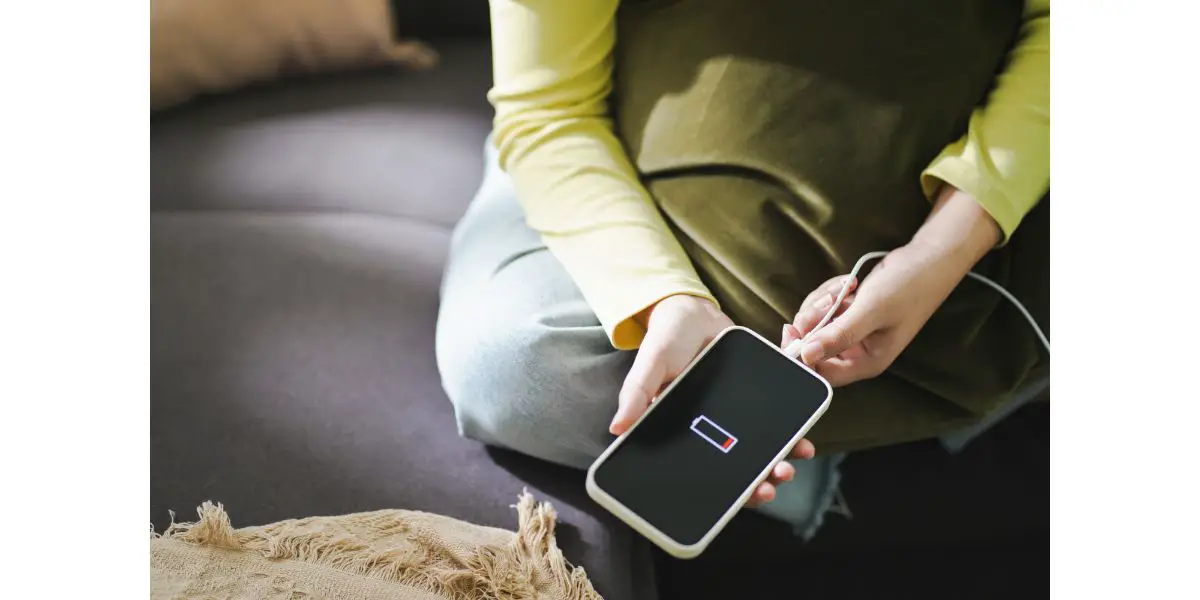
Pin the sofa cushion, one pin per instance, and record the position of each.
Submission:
(392, 143)
(208, 46)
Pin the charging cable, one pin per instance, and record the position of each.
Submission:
(793, 349)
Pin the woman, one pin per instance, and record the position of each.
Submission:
(758, 148)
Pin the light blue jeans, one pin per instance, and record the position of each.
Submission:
(521, 355)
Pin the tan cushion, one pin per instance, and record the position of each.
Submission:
(208, 46)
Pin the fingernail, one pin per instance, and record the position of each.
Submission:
(813, 351)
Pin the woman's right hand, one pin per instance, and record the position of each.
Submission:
(677, 329)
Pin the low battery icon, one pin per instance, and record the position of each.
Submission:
(713, 433)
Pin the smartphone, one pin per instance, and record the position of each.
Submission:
(698, 453)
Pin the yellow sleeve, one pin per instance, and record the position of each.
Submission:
(1004, 158)
(552, 68)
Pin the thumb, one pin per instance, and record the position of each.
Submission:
(644, 380)
(839, 335)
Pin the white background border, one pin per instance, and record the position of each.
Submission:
(1124, 487)
(75, 299)
(74, 313)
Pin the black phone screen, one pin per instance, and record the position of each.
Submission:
(711, 436)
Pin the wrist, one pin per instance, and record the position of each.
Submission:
(958, 229)
(696, 306)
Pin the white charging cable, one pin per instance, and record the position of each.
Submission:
(793, 349)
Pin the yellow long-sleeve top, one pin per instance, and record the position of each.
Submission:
(580, 191)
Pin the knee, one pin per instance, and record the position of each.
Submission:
(532, 389)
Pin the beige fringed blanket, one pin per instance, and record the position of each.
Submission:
(392, 554)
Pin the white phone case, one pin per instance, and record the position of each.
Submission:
(669, 545)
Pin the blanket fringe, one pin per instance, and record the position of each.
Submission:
(521, 570)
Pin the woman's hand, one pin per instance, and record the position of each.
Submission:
(878, 320)
(677, 328)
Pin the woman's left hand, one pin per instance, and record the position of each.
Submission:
(877, 320)
(884, 312)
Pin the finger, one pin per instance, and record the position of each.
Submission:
(644, 380)
(838, 335)
(809, 318)
(804, 450)
(765, 492)
(821, 300)
(783, 471)
(819, 292)
(790, 334)
(826, 291)
(833, 288)
(842, 372)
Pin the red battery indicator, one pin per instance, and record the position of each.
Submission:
(713, 433)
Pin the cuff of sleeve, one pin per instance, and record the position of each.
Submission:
(953, 169)
(619, 319)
